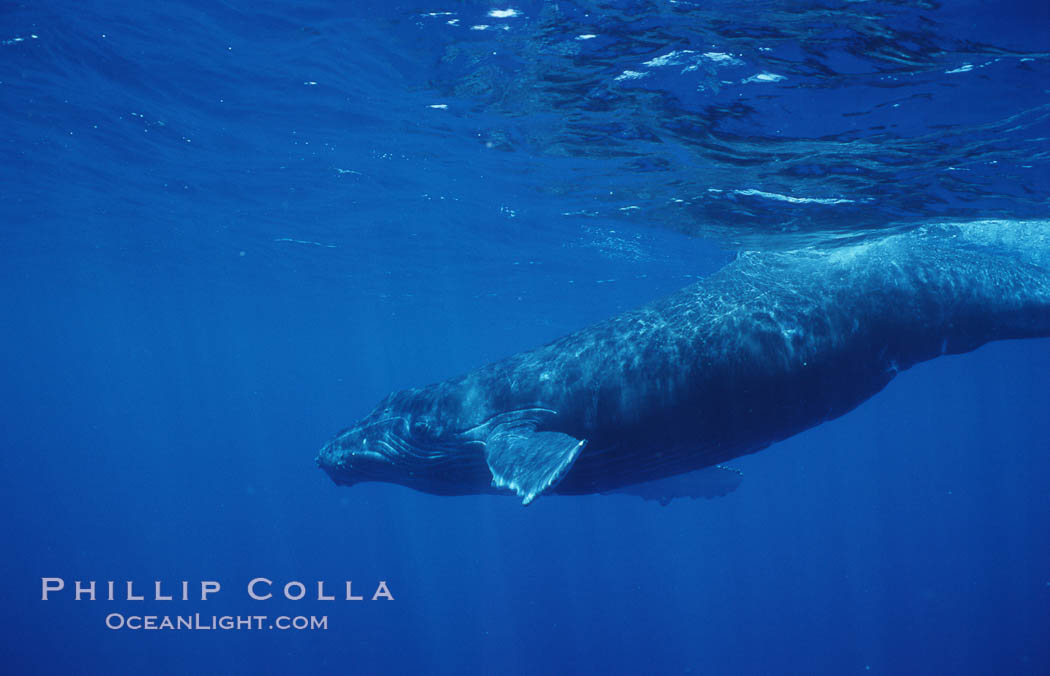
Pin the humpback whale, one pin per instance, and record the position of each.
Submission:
(772, 344)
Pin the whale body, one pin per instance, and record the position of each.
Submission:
(772, 344)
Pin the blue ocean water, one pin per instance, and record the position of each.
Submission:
(230, 228)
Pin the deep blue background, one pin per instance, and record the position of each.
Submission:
(210, 266)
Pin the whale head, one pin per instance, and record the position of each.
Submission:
(401, 442)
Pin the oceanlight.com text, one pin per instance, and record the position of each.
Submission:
(198, 622)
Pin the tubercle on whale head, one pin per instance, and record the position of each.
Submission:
(331, 458)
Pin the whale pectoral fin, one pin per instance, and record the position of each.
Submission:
(529, 462)
(709, 482)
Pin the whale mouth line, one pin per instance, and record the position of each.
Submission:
(396, 449)
(380, 421)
